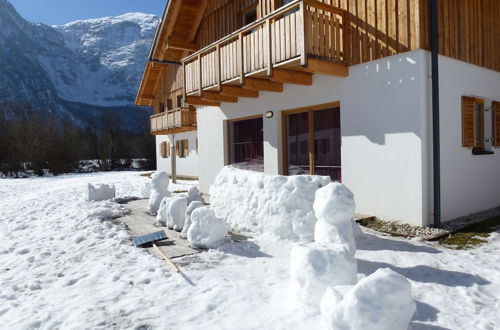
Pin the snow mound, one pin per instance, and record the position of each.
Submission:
(161, 216)
(106, 210)
(100, 192)
(381, 301)
(253, 203)
(194, 195)
(187, 219)
(159, 190)
(334, 203)
(176, 211)
(334, 208)
(316, 266)
(206, 229)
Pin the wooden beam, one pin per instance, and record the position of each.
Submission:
(263, 85)
(238, 91)
(292, 77)
(217, 97)
(181, 45)
(196, 100)
(327, 67)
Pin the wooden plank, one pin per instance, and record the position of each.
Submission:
(196, 100)
(263, 85)
(217, 97)
(292, 77)
(239, 91)
(327, 67)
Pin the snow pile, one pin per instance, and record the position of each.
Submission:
(334, 208)
(194, 195)
(206, 229)
(172, 212)
(381, 301)
(255, 203)
(316, 266)
(145, 190)
(100, 192)
(159, 190)
(187, 219)
(106, 210)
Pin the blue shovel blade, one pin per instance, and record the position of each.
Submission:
(149, 238)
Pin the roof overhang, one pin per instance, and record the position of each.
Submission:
(174, 39)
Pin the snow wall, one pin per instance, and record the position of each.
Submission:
(254, 203)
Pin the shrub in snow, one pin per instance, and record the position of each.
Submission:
(381, 301)
(176, 212)
(206, 229)
(334, 208)
(194, 195)
(159, 190)
(316, 266)
(100, 192)
(253, 203)
(187, 219)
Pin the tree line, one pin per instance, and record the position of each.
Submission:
(31, 140)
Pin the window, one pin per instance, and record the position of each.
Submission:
(169, 104)
(249, 15)
(161, 107)
(473, 123)
(182, 148)
(180, 101)
(165, 149)
(313, 142)
(247, 144)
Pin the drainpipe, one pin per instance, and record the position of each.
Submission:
(436, 152)
(173, 160)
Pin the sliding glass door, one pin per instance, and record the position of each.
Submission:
(313, 142)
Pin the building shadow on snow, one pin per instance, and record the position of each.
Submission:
(420, 326)
(425, 274)
(244, 249)
(370, 242)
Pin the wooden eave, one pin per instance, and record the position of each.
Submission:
(180, 23)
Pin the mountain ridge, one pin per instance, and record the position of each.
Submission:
(78, 69)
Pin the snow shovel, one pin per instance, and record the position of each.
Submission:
(152, 238)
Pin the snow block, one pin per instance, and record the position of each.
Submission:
(253, 203)
(313, 268)
(100, 192)
(159, 190)
(334, 203)
(194, 195)
(381, 301)
(162, 217)
(341, 233)
(206, 229)
(187, 219)
(176, 211)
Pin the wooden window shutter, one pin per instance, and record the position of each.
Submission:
(496, 123)
(162, 150)
(185, 148)
(468, 121)
(177, 148)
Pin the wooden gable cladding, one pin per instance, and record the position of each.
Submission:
(496, 123)
(470, 31)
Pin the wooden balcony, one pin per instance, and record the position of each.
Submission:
(287, 46)
(173, 121)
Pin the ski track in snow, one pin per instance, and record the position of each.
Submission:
(63, 266)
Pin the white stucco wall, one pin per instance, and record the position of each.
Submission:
(187, 166)
(470, 183)
(383, 120)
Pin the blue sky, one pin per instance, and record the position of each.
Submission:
(56, 12)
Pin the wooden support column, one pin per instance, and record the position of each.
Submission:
(301, 34)
(269, 48)
(218, 67)
(184, 81)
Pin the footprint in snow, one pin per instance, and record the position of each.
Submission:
(72, 282)
(23, 251)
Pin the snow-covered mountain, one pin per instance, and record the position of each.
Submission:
(78, 69)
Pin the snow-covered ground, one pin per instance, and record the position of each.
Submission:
(63, 266)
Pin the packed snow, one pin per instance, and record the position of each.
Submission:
(66, 264)
(254, 203)
(381, 301)
(100, 192)
(187, 220)
(159, 190)
(206, 230)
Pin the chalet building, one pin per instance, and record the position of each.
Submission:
(398, 99)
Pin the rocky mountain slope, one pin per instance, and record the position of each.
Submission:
(79, 69)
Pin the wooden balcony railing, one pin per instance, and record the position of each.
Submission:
(285, 39)
(173, 121)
